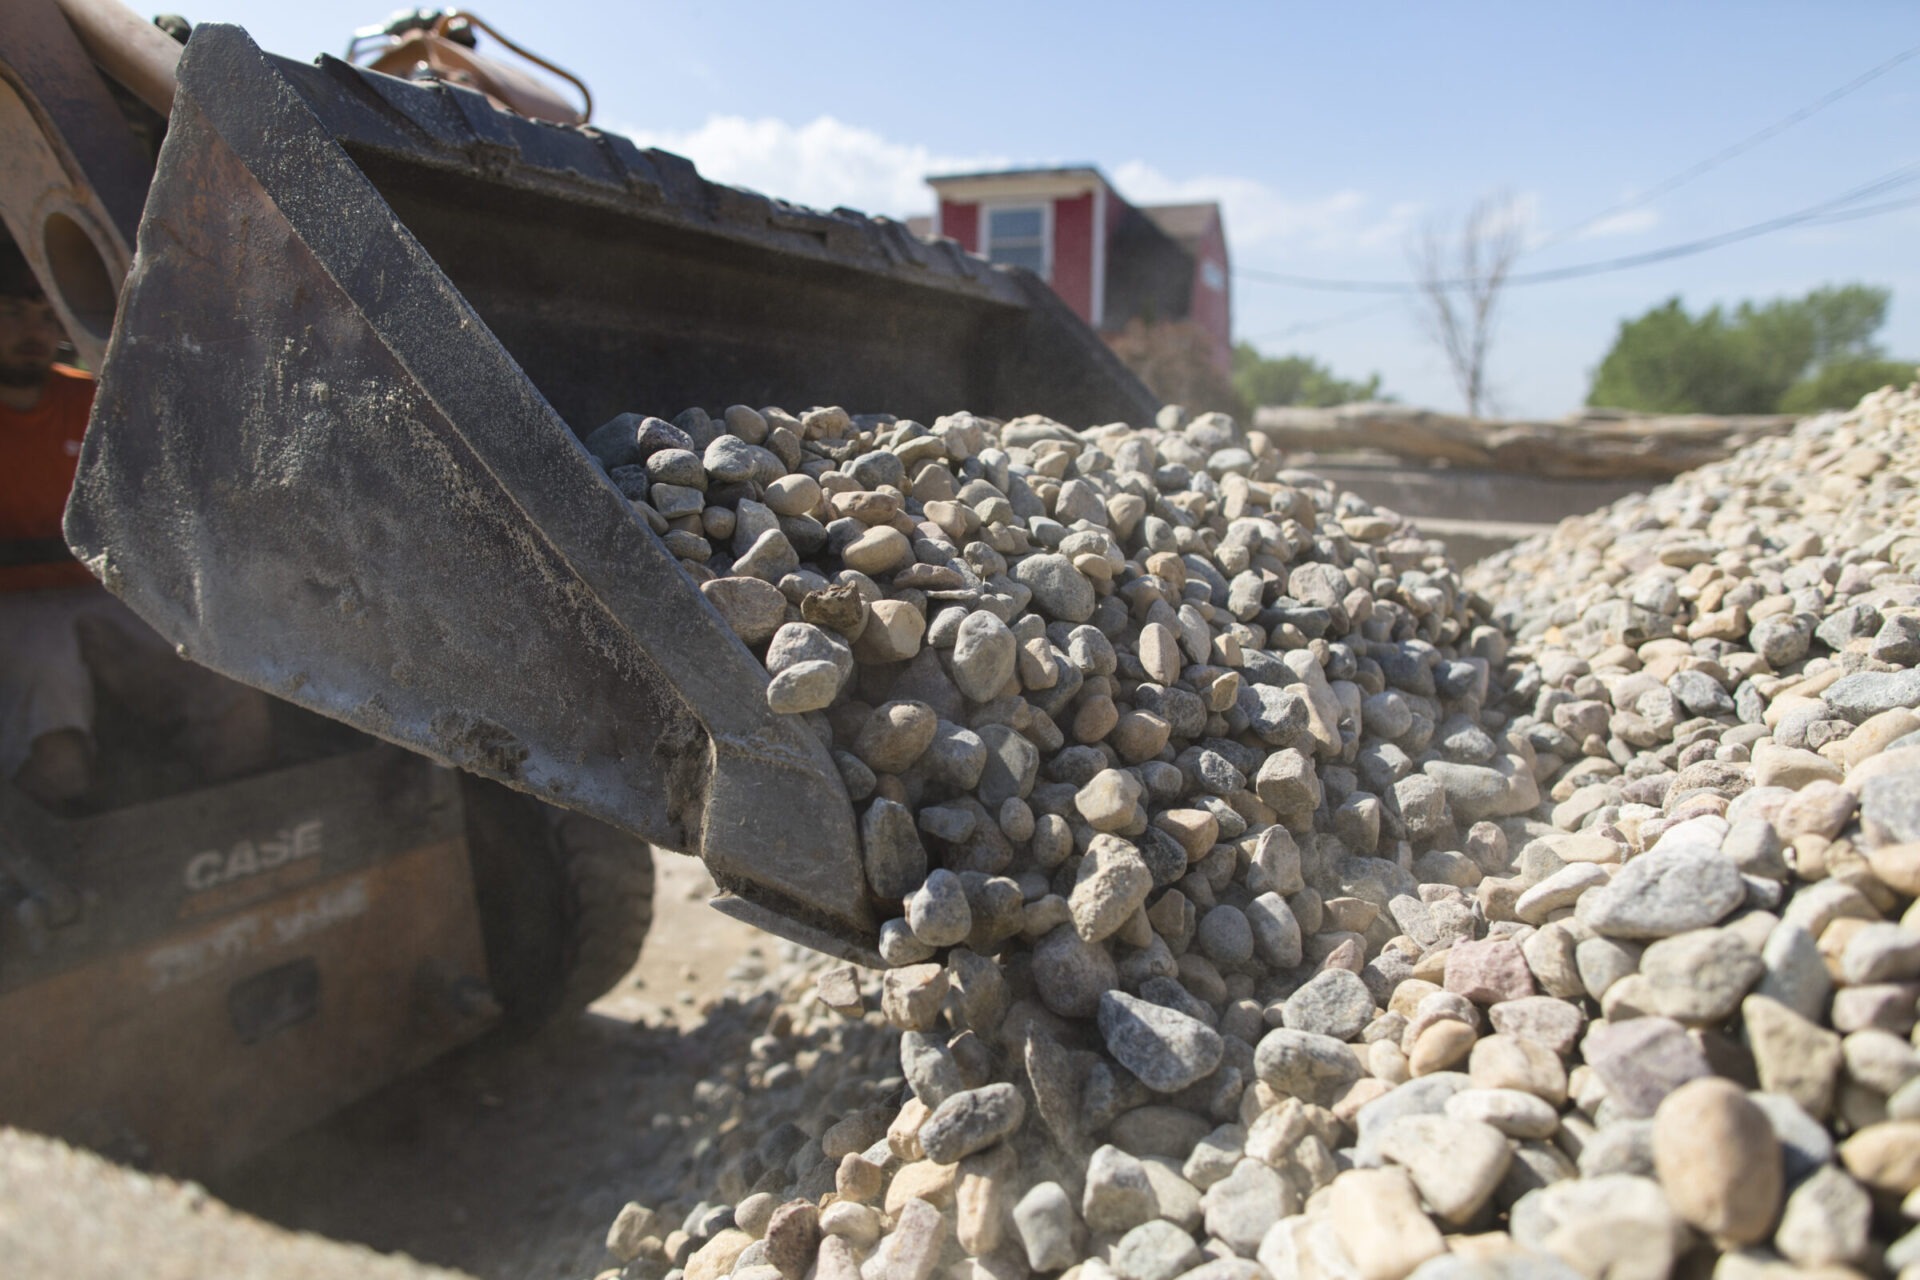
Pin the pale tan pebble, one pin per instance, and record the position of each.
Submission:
(857, 1178)
(716, 1257)
(925, 1180)
(1379, 1224)
(1440, 1046)
(857, 1223)
(1718, 1160)
(1876, 733)
(1386, 1061)
(981, 1202)
(903, 1135)
(1509, 1062)
(1885, 1156)
(1897, 866)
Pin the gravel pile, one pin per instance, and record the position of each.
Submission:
(1727, 667)
(1234, 938)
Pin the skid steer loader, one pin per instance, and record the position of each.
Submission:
(335, 455)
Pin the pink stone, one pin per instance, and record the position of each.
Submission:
(1489, 972)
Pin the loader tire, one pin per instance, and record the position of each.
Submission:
(564, 903)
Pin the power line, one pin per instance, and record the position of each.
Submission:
(1727, 153)
(1325, 322)
(1831, 210)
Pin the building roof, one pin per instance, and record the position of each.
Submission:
(1037, 171)
(920, 224)
(1185, 223)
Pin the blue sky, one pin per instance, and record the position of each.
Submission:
(1333, 134)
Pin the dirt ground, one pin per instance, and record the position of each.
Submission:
(510, 1161)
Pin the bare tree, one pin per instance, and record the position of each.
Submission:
(1460, 286)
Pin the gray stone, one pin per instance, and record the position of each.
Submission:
(1118, 1196)
(1887, 1006)
(1826, 1221)
(1048, 1227)
(1214, 1156)
(616, 442)
(1476, 791)
(1642, 1061)
(1879, 1060)
(1623, 1146)
(1335, 1003)
(804, 686)
(1513, 1112)
(1179, 1199)
(797, 642)
(1424, 1096)
(1880, 952)
(1796, 974)
(1781, 640)
(895, 860)
(1700, 693)
(1542, 1019)
(1314, 1068)
(1890, 806)
(1059, 589)
(1070, 974)
(971, 1121)
(1242, 1206)
(1635, 1231)
(1865, 694)
(983, 656)
(937, 911)
(1011, 766)
(1604, 961)
(1456, 1164)
(929, 1068)
(955, 758)
(1225, 936)
(1165, 1049)
(895, 735)
(728, 459)
(1277, 938)
(1151, 1129)
(1155, 1250)
(1420, 803)
(1664, 892)
(1699, 977)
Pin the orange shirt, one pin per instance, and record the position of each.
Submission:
(39, 450)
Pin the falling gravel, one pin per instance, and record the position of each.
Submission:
(1264, 900)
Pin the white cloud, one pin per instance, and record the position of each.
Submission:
(1625, 223)
(822, 163)
(1258, 216)
(827, 162)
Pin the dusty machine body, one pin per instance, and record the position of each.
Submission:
(335, 455)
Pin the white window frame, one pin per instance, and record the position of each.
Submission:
(1044, 205)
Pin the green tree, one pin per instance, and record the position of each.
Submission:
(1789, 355)
(1295, 380)
(1841, 384)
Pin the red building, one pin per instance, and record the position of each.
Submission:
(1111, 261)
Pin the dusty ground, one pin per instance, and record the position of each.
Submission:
(510, 1161)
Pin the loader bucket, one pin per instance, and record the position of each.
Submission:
(334, 452)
